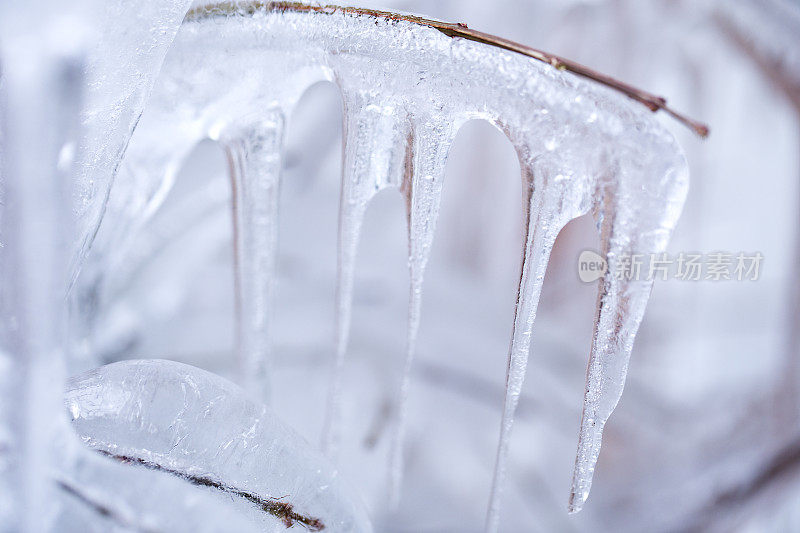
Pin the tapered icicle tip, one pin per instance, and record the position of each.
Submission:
(585, 461)
(581, 484)
(576, 502)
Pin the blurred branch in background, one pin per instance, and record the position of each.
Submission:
(768, 32)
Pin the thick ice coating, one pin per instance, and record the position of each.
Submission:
(197, 427)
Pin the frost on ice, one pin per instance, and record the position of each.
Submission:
(233, 74)
(176, 419)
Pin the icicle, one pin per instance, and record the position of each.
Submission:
(549, 203)
(635, 211)
(431, 140)
(374, 148)
(620, 309)
(254, 154)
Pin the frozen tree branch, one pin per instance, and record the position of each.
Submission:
(284, 511)
(459, 30)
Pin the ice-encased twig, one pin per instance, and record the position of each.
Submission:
(453, 30)
(606, 150)
(190, 424)
(96, 493)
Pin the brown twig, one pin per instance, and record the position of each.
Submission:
(651, 101)
(284, 511)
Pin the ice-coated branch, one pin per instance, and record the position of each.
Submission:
(174, 419)
(460, 30)
(282, 510)
(407, 88)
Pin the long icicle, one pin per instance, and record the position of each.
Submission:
(620, 308)
(543, 221)
(254, 155)
(374, 149)
(430, 143)
(636, 209)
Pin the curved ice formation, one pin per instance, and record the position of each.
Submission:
(181, 421)
(129, 42)
(235, 71)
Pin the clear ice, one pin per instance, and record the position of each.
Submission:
(233, 74)
(254, 159)
(127, 45)
(173, 418)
